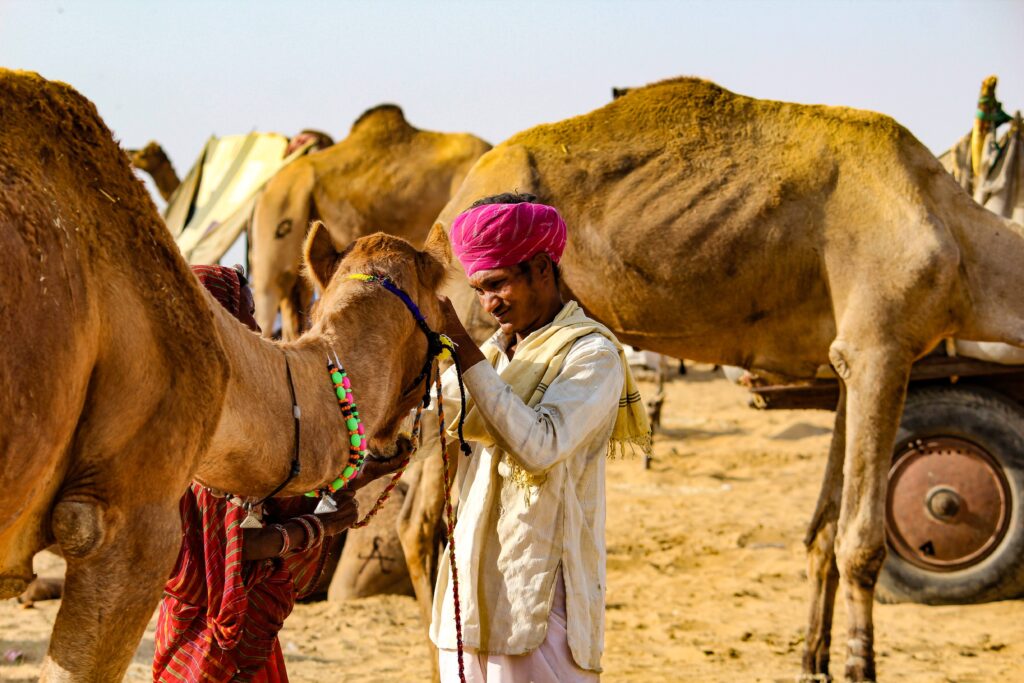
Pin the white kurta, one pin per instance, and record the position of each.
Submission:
(510, 541)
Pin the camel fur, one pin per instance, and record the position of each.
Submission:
(123, 379)
(730, 230)
(386, 175)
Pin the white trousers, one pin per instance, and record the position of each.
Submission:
(552, 662)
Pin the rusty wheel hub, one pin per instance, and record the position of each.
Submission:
(948, 505)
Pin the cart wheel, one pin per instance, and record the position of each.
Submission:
(953, 510)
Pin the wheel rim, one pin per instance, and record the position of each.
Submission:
(948, 505)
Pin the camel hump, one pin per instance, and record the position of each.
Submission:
(55, 110)
(53, 143)
(384, 118)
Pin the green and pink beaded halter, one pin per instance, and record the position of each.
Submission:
(356, 432)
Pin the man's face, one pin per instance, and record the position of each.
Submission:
(510, 295)
(247, 309)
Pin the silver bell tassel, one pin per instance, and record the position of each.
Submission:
(253, 517)
(325, 505)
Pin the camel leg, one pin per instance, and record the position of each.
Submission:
(293, 311)
(418, 525)
(107, 601)
(822, 570)
(876, 380)
(303, 295)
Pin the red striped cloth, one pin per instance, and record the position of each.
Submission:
(223, 283)
(220, 616)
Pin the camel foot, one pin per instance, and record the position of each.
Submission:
(42, 589)
(860, 662)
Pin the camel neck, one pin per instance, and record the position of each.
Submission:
(165, 179)
(253, 447)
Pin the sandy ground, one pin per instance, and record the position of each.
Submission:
(706, 577)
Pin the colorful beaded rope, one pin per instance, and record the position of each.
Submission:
(414, 439)
(439, 347)
(356, 431)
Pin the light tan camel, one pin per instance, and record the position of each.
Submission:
(122, 379)
(763, 234)
(386, 175)
(154, 160)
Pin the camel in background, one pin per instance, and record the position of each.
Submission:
(154, 160)
(123, 379)
(762, 234)
(386, 175)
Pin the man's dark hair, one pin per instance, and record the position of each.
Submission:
(518, 198)
(240, 270)
(506, 198)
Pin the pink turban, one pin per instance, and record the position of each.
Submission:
(502, 235)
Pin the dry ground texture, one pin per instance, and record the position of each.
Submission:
(705, 573)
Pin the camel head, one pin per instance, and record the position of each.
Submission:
(368, 320)
(149, 158)
(320, 139)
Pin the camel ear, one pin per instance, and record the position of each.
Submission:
(437, 255)
(320, 254)
(438, 246)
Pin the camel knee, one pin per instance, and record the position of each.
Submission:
(882, 357)
(840, 357)
(80, 528)
(861, 566)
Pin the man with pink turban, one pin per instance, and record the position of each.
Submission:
(550, 395)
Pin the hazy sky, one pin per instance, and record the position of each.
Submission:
(180, 71)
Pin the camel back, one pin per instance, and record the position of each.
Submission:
(690, 198)
(719, 153)
(374, 160)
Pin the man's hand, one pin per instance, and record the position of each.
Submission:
(345, 516)
(469, 353)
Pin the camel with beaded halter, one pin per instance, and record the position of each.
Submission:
(123, 379)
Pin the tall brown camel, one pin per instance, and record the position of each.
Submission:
(122, 379)
(730, 230)
(154, 160)
(386, 175)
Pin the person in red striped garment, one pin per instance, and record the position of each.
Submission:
(232, 587)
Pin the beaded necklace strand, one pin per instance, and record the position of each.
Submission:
(357, 447)
(356, 435)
